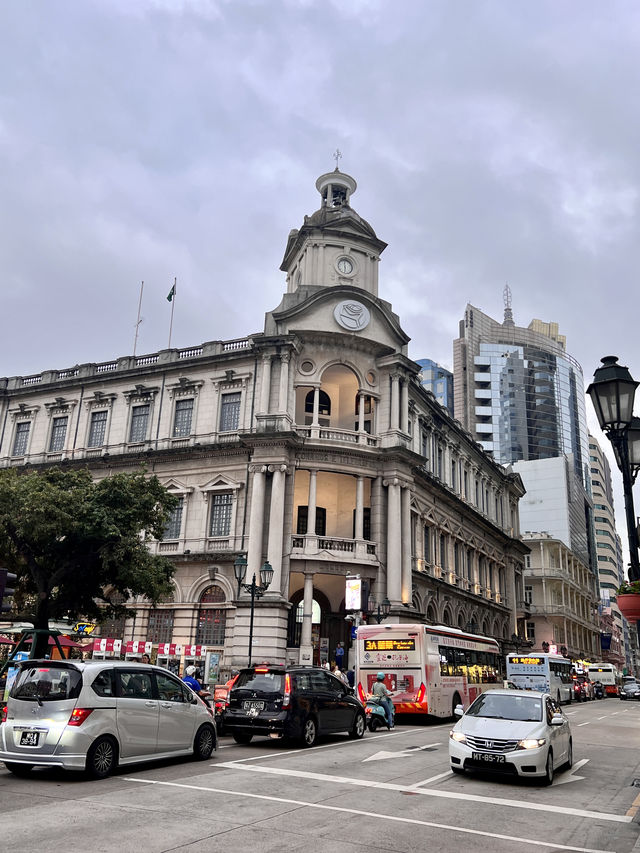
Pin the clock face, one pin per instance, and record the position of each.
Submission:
(345, 266)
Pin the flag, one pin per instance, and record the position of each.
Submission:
(172, 293)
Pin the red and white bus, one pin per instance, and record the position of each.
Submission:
(429, 669)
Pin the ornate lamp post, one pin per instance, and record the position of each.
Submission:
(382, 609)
(255, 590)
(612, 392)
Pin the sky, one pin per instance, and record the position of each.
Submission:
(493, 143)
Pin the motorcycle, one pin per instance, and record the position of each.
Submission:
(598, 690)
(376, 714)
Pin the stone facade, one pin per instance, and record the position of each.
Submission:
(310, 445)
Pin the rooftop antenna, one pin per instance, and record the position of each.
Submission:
(508, 313)
(336, 156)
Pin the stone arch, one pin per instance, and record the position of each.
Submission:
(432, 614)
(204, 580)
(447, 618)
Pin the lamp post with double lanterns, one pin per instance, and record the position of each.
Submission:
(379, 609)
(612, 393)
(255, 590)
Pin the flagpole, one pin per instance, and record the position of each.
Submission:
(138, 321)
(173, 302)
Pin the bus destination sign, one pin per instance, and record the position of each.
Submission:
(527, 661)
(404, 645)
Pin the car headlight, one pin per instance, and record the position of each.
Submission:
(531, 743)
(458, 736)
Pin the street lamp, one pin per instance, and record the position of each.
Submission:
(382, 610)
(266, 576)
(612, 392)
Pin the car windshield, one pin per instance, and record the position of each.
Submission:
(46, 683)
(263, 682)
(500, 706)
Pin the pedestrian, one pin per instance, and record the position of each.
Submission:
(351, 676)
(326, 665)
(146, 658)
(191, 681)
(340, 654)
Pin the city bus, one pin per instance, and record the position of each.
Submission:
(429, 669)
(546, 672)
(608, 675)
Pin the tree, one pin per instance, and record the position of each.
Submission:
(78, 546)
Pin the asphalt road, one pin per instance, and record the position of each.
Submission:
(390, 792)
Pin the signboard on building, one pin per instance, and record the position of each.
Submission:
(353, 593)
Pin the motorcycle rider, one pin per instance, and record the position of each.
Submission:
(383, 695)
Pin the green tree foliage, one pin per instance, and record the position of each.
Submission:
(77, 545)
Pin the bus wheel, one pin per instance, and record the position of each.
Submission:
(456, 701)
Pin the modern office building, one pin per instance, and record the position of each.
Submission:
(311, 445)
(521, 395)
(438, 380)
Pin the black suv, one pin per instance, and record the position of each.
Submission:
(293, 702)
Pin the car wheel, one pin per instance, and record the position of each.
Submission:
(18, 769)
(309, 732)
(375, 723)
(241, 737)
(569, 761)
(548, 769)
(204, 743)
(102, 757)
(359, 725)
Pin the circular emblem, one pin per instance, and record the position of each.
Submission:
(352, 316)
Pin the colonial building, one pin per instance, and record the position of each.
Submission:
(310, 445)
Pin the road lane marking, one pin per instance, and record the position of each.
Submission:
(568, 776)
(446, 795)
(328, 745)
(633, 808)
(432, 779)
(583, 724)
(403, 753)
(605, 717)
(375, 815)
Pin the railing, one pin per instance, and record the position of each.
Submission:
(32, 380)
(194, 352)
(106, 368)
(147, 359)
(358, 549)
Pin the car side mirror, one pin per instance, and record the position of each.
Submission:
(557, 720)
(458, 711)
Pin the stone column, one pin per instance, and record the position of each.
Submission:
(394, 542)
(315, 422)
(306, 646)
(404, 406)
(395, 402)
(359, 526)
(276, 525)
(360, 411)
(256, 521)
(311, 503)
(407, 592)
(265, 388)
(284, 382)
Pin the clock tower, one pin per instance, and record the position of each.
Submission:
(335, 245)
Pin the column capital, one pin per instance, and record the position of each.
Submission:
(285, 356)
(283, 469)
(258, 469)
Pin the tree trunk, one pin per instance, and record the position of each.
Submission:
(41, 622)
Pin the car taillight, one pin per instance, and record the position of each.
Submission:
(78, 716)
(287, 691)
(3, 718)
(421, 693)
(261, 669)
(361, 694)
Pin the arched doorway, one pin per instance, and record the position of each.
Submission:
(327, 628)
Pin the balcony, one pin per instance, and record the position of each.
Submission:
(344, 436)
(331, 548)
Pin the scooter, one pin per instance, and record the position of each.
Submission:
(598, 690)
(376, 714)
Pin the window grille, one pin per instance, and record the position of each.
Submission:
(183, 416)
(22, 438)
(97, 429)
(220, 523)
(139, 421)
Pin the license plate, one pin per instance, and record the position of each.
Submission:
(251, 705)
(29, 738)
(489, 757)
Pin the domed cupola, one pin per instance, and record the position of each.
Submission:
(335, 245)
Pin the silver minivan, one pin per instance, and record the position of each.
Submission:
(95, 715)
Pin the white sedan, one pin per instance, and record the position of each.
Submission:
(517, 732)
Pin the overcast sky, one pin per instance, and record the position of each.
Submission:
(492, 143)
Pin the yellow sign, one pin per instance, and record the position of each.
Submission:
(84, 628)
(527, 661)
(389, 645)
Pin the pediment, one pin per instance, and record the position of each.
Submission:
(219, 483)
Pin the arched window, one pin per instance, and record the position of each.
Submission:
(212, 620)
(324, 403)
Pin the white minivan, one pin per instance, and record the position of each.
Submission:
(96, 715)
